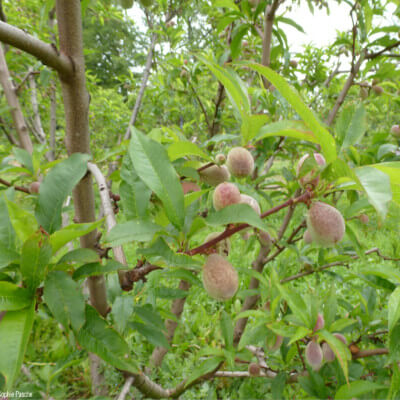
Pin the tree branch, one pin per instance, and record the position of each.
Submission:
(110, 221)
(146, 74)
(12, 100)
(345, 90)
(9, 184)
(230, 231)
(46, 53)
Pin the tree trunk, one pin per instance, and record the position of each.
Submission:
(12, 100)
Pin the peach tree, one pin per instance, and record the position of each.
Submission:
(257, 232)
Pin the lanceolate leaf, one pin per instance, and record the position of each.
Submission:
(80, 255)
(322, 136)
(65, 300)
(97, 337)
(205, 367)
(135, 195)
(23, 222)
(181, 149)
(15, 329)
(141, 230)
(13, 297)
(377, 187)
(97, 269)
(35, 256)
(7, 233)
(63, 236)
(392, 169)
(7, 256)
(236, 213)
(341, 351)
(151, 163)
(251, 125)
(291, 128)
(236, 92)
(55, 188)
(160, 251)
(356, 389)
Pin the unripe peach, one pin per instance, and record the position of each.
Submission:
(185, 62)
(363, 93)
(240, 162)
(34, 187)
(126, 3)
(311, 177)
(327, 352)
(395, 130)
(220, 279)
(293, 63)
(320, 323)
(314, 355)
(274, 343)
(223, 247)
(329, 355)
(184, 73)
(254, 369)
(364, 219)
(189, 187)
(220, 158)
(225, 194)
(245, 43)
(377, 89)
(307, 237)
(265, 239)
(325, 223)
(214, 175)
(340, 337)
(375, 81)
(251, 201)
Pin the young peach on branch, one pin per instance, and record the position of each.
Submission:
(325, 224)
(240, 162)
(220, 279)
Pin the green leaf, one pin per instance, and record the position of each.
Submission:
(182, 149)
(65, 300)
(236, 42)
(7, 256)
(149, 316)
(154, 336)
(55, 188)
(377, 187)
(81, 255)
(300, 333)
(235, 214)
(7, 233)
(290, 22)
(296, 303)
(209, 365)
(161, 252)
(356, 389)
(23, 222)
(392, 169)
(35, 257)
(394, 309)
(97, 269)
(121, 311)
(140, 230)
(251, 126)
(97, 337)
(24, 158)
(15, 329)
(341, 351)
(227, 329)
(322, 136)
(357, 127)
(65, 235)
(164, 292)
(135, 195)
(235, 88)
(13, 297)
(226, 4)
(151, 163)
(290, 128)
